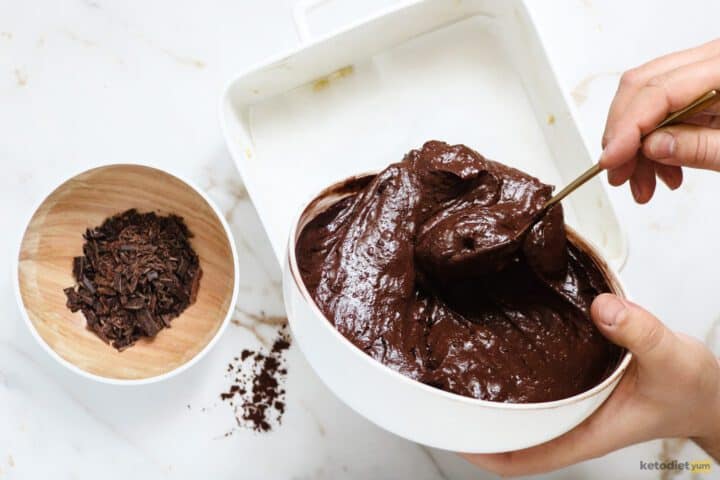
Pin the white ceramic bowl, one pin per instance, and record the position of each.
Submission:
(413, 410)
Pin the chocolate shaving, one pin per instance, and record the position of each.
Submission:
(257, 394)
(138, 271)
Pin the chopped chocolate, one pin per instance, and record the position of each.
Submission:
(138, 271)
(257, 394)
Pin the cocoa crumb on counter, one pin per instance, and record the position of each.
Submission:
(257, 392)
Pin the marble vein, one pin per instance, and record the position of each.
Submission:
(429, 455)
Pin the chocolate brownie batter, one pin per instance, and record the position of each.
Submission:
(438, 268)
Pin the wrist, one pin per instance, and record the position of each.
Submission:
(710, 442)
(711, 445)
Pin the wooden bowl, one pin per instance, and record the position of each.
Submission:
(54, 236)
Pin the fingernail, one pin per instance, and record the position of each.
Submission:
(612, 178)
(635, 189)
(672, 179)
(661, 145)
(609, 309)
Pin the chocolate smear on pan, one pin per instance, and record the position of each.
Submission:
(138, 271)
(257, 392)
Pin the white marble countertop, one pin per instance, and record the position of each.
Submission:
(86, 82)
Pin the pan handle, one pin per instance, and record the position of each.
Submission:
(303, 8)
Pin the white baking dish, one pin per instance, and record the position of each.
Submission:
(357, 99)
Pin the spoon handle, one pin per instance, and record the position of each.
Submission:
(696, 106)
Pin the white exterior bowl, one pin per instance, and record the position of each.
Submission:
(413, 410)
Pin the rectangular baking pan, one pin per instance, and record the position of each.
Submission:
(356, 99)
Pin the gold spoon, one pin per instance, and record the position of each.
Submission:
(696, 106)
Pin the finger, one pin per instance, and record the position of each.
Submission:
(705, 119)
(619, 175)
(662, 95)
(634, 79)
(685, 145)
(670, 175)
(634, 328)
(642, 181)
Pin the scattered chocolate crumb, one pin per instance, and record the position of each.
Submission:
(257, 394)
(138, 271)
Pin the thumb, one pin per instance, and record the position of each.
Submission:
(632, 327)
(685, 145)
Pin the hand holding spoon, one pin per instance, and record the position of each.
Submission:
(696, 106)
(498, 242)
